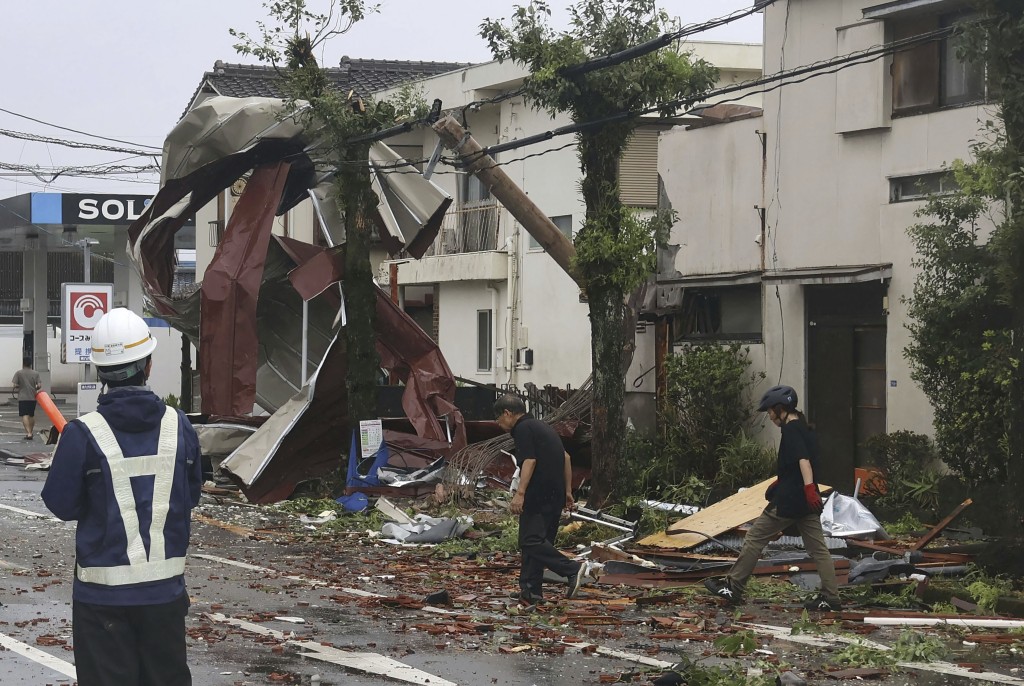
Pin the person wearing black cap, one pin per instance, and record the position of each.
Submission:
(793, 499)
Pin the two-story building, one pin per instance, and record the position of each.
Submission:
(500, 308)
(792, 234)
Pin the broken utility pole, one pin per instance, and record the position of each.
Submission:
(536, 223)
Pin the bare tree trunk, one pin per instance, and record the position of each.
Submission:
(599, 157)
(360, 296)
(607, 314)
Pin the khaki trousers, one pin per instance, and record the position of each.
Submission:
(765, 528)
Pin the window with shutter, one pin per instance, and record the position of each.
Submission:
(638, 169)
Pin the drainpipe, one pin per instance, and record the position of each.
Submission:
(494, 333)
(512, 310)
(761, 210)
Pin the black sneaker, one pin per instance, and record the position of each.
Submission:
(527, 597)
(821, 603)
(723, 588)
(576, 581)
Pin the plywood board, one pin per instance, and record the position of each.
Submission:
(725, 515)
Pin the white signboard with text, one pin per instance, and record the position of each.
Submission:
(88, 397)
(371, 435)
(82, 305)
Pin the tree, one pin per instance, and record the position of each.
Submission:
(344, 121)
(960, 331)
(615, 249)
(990, 275)
(998, 41)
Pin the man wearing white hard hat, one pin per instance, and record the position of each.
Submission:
(130, 474)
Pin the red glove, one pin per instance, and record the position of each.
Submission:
(813, 498)
(771, 490)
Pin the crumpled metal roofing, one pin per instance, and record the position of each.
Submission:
(246, 318)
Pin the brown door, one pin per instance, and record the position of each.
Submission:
(846, 375)
(830, 383)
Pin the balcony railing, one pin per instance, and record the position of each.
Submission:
(470, 229)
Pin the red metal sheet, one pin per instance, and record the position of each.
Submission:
(407, 350)
(228, 345)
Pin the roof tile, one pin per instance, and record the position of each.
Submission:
(364, 76)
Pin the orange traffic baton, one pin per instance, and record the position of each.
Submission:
(46, 403)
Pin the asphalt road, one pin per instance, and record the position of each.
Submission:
(36, 561)
(299, 611)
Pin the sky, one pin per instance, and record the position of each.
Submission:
(126, 69)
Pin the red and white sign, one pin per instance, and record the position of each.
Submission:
(82, 305)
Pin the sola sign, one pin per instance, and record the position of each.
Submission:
(82, 305)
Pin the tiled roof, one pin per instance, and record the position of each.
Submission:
(362, 76)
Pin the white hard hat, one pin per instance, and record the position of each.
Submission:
(120, 337)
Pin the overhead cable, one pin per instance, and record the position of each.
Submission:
(660, 42)
(36, 138)
(809, 70)
(83, 133)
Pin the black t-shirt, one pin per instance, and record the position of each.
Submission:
(536, 440)
(798, 443)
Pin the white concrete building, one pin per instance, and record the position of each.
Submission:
(793, 225)
(502, 311)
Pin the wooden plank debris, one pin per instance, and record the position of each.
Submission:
(723, 516)
(937, 529)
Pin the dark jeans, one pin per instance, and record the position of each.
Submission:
(537, 531)
(135, 645)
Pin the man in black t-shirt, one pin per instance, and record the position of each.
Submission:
(544, 489)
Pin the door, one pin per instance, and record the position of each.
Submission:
(846, 375)
(829, 390)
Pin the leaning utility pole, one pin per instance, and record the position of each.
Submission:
(536, 223)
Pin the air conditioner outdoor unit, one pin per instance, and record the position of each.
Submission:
(26, 304)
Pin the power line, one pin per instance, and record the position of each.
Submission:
(773, 82)
(660, 42)
(36, 138)
(808, 71)
(584, 67)
(83, 133)
(53, 173)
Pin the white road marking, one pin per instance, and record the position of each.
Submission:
(29, 513)
(43, 658)
(4, 564)
(947, 668)
(371, 663)
(311, 582)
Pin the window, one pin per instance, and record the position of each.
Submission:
(473, 190)
(724, 314)
(410, 153)
(564, 224)
(638, 169)
(920, 186)
(931, 75)
(484, 345)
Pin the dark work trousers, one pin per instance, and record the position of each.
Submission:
(537, 531)
(137, 645)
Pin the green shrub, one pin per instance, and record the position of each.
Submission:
(708, 403)
(909, 462)
(649, 471)
(172, 401)
(743, 461)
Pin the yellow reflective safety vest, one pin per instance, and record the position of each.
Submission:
(142, 567)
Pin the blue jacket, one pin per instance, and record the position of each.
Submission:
(79, 487)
